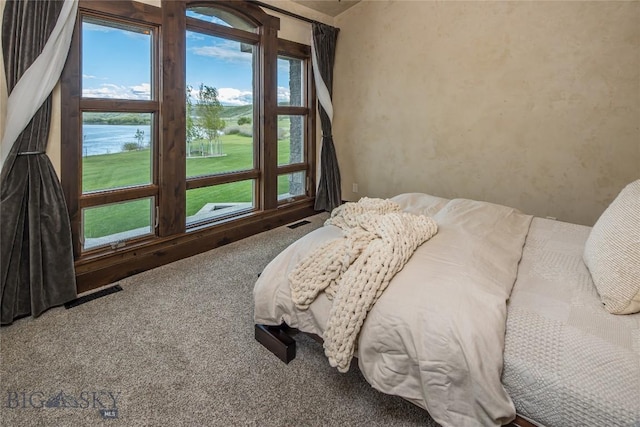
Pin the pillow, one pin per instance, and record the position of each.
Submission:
(612, 252)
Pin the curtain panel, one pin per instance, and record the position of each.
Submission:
(323, 47)
(36, 266)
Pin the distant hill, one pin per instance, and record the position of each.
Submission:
(236, 111)
(229, 113)
(116, 118)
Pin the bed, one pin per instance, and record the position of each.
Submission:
(496, 313)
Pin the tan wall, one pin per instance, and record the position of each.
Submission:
(530, 104)
(294, 29)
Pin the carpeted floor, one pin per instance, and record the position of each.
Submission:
(176, 348)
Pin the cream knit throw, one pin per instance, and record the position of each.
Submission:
(354, 271)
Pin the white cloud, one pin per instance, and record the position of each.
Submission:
(226, 95)
(90, 76)
(143, 90)
(112, 91)
(227, 51)
(231, 96)
(284, 95)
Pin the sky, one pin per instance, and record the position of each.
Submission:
(117, 64)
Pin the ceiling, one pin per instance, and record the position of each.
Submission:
(328, 7)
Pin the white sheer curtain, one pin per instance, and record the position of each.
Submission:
(322, 92)
(324, 98)
(38, 81)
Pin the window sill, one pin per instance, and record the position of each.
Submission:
(98, 269)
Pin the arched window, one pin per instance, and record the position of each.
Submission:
(222, 113)
(220, 16)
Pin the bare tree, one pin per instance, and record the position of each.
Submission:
(193, 131)
(140, 138)
(208, 119)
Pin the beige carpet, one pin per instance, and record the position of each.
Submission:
(176, 348)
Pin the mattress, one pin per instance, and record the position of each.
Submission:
(567, 361)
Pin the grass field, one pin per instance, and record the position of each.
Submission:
(133, 168)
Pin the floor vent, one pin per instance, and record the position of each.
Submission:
(299, 223)
(91, 297)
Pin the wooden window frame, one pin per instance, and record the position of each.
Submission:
(253, 173)
(130, 13)
(173, 240)
(308, 111)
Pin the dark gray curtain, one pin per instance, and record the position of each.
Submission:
(328, 196)
(35, 233)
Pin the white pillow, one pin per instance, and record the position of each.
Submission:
(612, 252)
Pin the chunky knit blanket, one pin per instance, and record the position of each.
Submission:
(378, 240)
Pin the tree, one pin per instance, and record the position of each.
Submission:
(244, 121)
(140, 138)
(208, 119)
(193, 132)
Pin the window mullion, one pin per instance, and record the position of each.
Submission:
(172, 150)
(129, 105)
(269, 122)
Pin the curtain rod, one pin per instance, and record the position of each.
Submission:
(286, 12)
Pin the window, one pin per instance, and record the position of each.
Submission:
(188, 126)
(294, 115)
(220, 116)
(118, 109)
(219, 16)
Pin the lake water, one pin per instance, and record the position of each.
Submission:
(108, 139)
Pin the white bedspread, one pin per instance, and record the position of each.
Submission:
(567, 361)
(436, 335)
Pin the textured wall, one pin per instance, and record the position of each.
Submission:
(530, 104)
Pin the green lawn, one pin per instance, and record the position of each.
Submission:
(132, 168)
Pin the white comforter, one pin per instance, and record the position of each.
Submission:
(436, 335)
(354, 271)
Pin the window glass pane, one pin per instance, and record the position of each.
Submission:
(220, 201)
(290, 139)
(219, 105)
(116, 150)
(290, 82)
(220, 17)
(113, 224)
(292, 185)
(116, 60)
